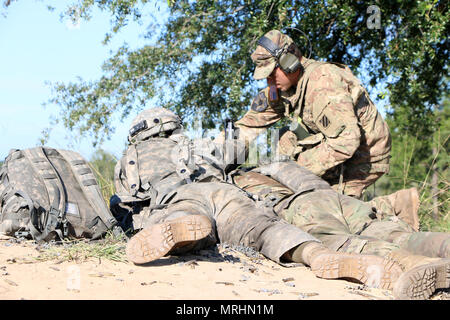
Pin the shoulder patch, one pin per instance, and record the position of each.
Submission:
(260, 102)
(330, 128)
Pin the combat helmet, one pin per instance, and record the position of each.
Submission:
(153, 122)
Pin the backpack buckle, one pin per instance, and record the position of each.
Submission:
(57, 218)
(19, 234)
(112, 221)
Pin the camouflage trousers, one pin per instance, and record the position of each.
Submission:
(349, 225)
(357, 178)
(344, 223)
(236, 219)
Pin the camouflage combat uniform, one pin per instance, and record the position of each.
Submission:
(189, 182)
(173, 180)
(342, 124)
(341, 222)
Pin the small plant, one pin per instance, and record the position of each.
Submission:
(111, 247)
(102, 164)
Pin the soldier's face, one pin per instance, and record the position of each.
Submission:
(282, 80)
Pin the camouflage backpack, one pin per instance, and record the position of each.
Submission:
(50, 193)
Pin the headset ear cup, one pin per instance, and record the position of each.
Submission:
(289, 62)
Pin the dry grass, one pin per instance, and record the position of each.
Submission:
(111, 248)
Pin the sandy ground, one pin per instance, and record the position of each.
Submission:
(222, 273)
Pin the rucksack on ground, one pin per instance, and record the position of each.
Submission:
(48, 193)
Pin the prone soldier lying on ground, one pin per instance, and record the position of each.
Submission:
(181, 202)
(346, 224)
(180, 195)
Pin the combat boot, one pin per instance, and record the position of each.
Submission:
(422, 276)
(161, 239)
(430, 244)
(403, 203)
(373, 271)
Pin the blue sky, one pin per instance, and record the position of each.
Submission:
(36, 47)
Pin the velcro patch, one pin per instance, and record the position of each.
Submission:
(260, 103)
(72, 208)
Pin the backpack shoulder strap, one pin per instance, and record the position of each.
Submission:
(55, 213)
(86, 179)
(132, 170)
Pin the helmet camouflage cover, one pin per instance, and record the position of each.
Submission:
(153, 122)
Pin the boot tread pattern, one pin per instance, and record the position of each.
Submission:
(375, 272)
(157, 240)
(421, 282)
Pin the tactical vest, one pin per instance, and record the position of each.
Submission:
(151, 170)
(48, 193)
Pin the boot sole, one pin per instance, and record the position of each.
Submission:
(421, 282)
(373, 271)
(157, 240)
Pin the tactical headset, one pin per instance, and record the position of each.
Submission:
(285, 57)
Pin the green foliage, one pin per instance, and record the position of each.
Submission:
(422, 161)
(102, 164)
(198, 62)
(80, 250)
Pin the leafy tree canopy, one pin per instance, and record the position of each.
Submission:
(198, 61)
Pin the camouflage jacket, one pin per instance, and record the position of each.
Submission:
(343, 122)
(153, 169)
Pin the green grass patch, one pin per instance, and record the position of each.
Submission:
(110, 248)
